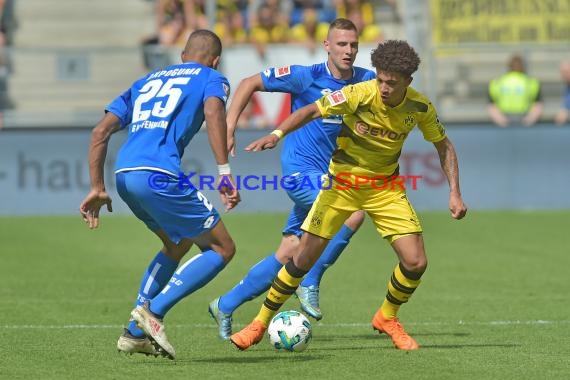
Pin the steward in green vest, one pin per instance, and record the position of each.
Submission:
(514, 96)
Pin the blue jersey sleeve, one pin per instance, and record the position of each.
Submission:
(368, 75)
(217, 86)
(291, 79)
(121, 107)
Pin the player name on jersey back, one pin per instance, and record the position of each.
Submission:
(179, 71)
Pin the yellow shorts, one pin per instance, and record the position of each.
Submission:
(390, 210)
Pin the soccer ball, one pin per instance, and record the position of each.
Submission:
(290, 331)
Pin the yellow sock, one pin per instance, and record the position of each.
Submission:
(284, 285)
(400, 288)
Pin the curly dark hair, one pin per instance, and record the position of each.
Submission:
(395, 56)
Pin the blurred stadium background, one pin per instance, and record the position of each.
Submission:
(64, 60)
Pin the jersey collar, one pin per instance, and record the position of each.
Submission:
(330, 74)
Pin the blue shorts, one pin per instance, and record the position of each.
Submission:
(159, 201)
(302, 189)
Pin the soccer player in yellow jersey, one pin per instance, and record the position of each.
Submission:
(378, 115)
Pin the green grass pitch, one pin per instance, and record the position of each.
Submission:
(494, 303)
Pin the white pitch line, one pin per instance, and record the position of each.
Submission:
(538, 322)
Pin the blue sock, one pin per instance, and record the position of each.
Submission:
(328, 257)
(154, 279)
(255, 282)
(191, 276)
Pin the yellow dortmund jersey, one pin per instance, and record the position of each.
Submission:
(373, 134)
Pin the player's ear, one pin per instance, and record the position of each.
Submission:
(183, 56)
(216, 62)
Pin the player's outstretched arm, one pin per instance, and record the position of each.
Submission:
(98, 196)
(294, 121)
(241, 97)
(449, 165)
(215, 115)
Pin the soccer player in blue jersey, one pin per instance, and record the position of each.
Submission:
(305, 157)
(162, 111)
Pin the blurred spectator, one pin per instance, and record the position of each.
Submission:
(173, 22)
(7, 24)
(394, 8)
(563, 114)
(361, 13)
(324, 10)
(515, 97)
(7, 21)
(3, 34)
(231, 21)
(283, 7)
(310, 32)
(268, 25)
(175, 19)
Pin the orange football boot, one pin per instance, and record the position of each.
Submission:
(394, 329)
(249, 335)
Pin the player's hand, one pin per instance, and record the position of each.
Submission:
(91, 206)
(457, 207)
(229, 193)
(266, 142)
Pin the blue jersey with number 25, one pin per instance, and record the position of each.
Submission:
(163, 111)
